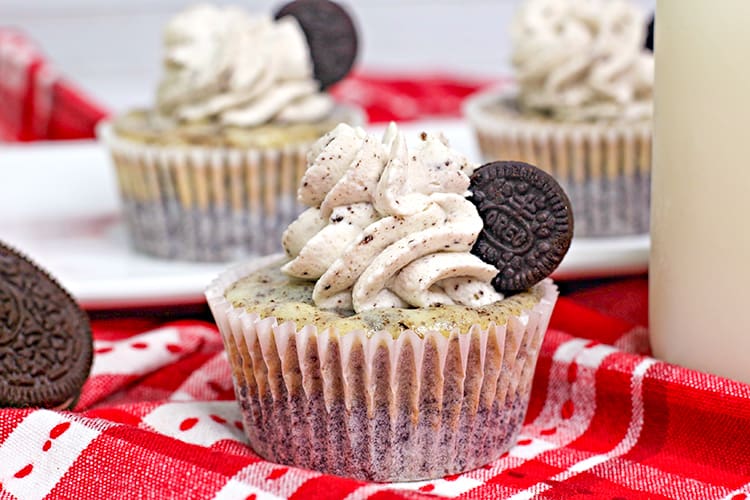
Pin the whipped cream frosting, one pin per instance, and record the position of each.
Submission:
(221, 63)
(582, 60)
(387, 227)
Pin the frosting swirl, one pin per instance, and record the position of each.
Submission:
(387, 227)
(581, 60)
(221, 63)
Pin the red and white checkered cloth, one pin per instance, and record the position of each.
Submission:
(157, 419)
(36, 102)
(400, 97)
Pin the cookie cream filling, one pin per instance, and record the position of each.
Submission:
(221, 63)
(387, 227)
(582, 60)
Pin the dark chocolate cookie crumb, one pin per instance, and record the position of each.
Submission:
(331, 36)
(528, 222)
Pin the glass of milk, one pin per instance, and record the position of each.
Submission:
(700, 215)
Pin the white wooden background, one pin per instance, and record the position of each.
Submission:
(112, 47)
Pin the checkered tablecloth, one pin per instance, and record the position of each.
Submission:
(36, 101)
(157, 419)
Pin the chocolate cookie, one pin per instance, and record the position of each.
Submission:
(331, 35)
(45, 338)
(528, 222)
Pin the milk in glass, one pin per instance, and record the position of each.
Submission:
(700, 215)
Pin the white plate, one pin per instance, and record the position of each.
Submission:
(59, 204)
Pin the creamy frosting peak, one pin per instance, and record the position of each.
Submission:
(387, 227)
(582, 60)
(243, 70)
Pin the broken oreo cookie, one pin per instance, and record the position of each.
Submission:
(331, 36)
(45, 338)
(528, 222)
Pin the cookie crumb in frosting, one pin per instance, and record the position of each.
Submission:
(411, 207)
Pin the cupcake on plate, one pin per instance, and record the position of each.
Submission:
(581, 109)
(210, 173)
(397, 337)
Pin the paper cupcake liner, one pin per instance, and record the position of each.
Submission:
(375, 407)
(208, 203)
(604, 168)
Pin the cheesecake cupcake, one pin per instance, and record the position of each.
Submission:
(581, 108)
(396, 337)
(210, 172)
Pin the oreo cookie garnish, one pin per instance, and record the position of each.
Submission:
(45, 338)
(528, 222)
(331, 36)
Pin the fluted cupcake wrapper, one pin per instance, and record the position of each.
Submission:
(377, 407)
(203, 203)
(604, 168)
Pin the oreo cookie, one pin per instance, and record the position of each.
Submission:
(649, 43)
(331, 36)
(45, 338)
(528, 222)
